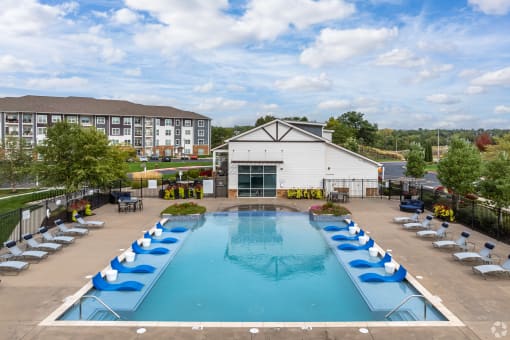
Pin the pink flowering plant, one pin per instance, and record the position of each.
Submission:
(329, 209)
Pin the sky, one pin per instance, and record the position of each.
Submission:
(404, 64)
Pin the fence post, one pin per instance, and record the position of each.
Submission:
(472, 214)
(20, 223)
(389, 189)
(362, 189)
(401, 187)
(499, 223)
(421, 192)
(141, 187)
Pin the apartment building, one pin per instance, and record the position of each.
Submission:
(151, 130)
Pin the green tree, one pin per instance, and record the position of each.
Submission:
(15, 161)
(415, 161)
(219, 135)
(264, 120)
(73, 156)
(428, 152)
(362, 129)
(460, 168)
(352, 144)
(496, 183)
(340, 131)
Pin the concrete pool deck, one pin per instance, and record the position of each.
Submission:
(28, 298)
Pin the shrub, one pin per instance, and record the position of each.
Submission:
(184, 209)
(329, 208)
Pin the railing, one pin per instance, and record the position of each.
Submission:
(100, 301)
(404, 301)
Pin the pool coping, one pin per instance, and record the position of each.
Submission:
(435, 301)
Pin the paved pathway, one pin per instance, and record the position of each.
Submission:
(28, 298)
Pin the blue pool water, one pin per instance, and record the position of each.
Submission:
(254, 266)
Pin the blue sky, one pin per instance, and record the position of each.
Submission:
(403, 63)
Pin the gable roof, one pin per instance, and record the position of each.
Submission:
(281, 131)
(83, 105)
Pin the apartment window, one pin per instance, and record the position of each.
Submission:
(201, 142)
(27, 118)
(127, 131)
(177, 122)
(187, 132)
(100, 120)
(157, 132)
(158, 122)
(138, 120)
(42, 119)
(138, 142)
(56, 118)
(187, 122)
(148, 142)
(168, 142)
(41, 131)
(127, 120)
(187, 141)
(187, 151)
(148, 131)
(177, 142)
(115, 132)
(12, 118)
(168, 122)
(11, 130)
(102, 130)
(115, 141)
(72, 119)
(84, 120)
(168, 132)
(177, 132)
(138, 131)
(127, 141)
(201, 123)
(156, 143)
(201, 133)
(148, 121)
(116, 120)
(27, 131)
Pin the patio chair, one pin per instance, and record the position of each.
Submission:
(332, 228)
(350, 246)
(398, 276)
(460, 243)
(367, 264)
(494, 269)
(13, 267)
(17, 254)
(154, 251)
(439, 233)
(484, 254)
(342, 237)
(46, 246)
(70, 231)
(121, 268)
(88, 224)
(425, 224)
(160, 240)
(408, 219)
(47, 236)
(100, 283)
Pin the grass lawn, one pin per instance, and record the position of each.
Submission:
(8, 192)
(137, 166)
(431, 167)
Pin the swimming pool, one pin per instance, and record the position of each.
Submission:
(256, 267)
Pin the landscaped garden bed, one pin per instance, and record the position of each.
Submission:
(329, 212)
(184, 211)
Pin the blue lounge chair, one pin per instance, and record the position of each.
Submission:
(347, 237)
(101, 284)
(367, 264)
(154, 251)
(142, 268)
(486, 269)
(398, 276)
(46, 246)
(17, 254)
(160, 226)
(335, 228)
(351, 246)
(160, 240)
(179, 230)
(47, 236)
(484, 254)
(13, 266)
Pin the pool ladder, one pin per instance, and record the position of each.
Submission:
(108, 308)
(404, 301)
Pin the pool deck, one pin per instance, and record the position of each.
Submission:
(28, 298)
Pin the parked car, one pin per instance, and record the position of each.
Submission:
(184, 157)
(195, 157)
(143, 158)
(167, 159)
(154, 158)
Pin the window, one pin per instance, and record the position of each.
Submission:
(256, 181)
(116, 120)
(187, 151)
(158, 122)
(115, 132)
(102, 130)
(56, 118)
(148, 121)
(27, 118)
(187, 122)
(168, 122)
(156, 142)
(27, 131)
(138, 120)
(187, 141)
(177, 132)
(127, 131)
(12, 118)
(157, 132)
(85, 120)
(72, 119)
(177, 122)
(41, 131)
(42, 119)
(168, 132)
(177, 142)
(127, 141)
(127, 120)
(168, 142)
(11, 130)
(148, 131)
(138, 142)
(138, 131)
(148, 142)
(187, 132)
(201, 133)
(100, 120)
(201, 142)
(115, 141)
(201, 123)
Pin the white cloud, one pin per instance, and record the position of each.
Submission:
(219, 103)
(441, 98)
(501, 109)
(432, 72)
(399, 57)
(491, 7)
(204, 88)
(235, 87)
(302, 83)
(333, 46)
(124, 16)
(498, 77)
(9, 63)
(334, 105)
(135, 72)
(475, 90)
(467, 73)
(57, 83)
(271, 106)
